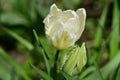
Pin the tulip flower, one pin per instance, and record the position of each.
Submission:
(64, 28)
(72, 60)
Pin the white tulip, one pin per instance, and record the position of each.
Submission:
(64, 28)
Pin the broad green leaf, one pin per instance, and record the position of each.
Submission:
(43, 9)
(42, 73)
(49, 49)
(87, 71)
(13, 19)
(71, 4)
(114, 40)
(106, 70)
(27, 44)
(32, 11)
(99, 33)
(101, 26)
(68, 77)
(4, 69)
(12, 62)
(7, 71)
(20, 6)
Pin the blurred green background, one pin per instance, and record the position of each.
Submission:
(18, 46)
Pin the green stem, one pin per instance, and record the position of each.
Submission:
(55, 65)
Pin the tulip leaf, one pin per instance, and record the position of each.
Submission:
(106, 70)
(43, 74)
(12, 62)
(43, 53)
(114, 40)
(49, 49)
(4, 69)
(21, 6)
(43, 9)
(101, 26)
(99, 34)
(87, 71)
(27, 44)
(13, 19)
(68, 77)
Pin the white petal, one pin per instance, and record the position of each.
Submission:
(55, 11)
(63, 39)
(81, 20)
(72, 26)
(68, 14)
(57, 27)
(81, 12)
(50, 22)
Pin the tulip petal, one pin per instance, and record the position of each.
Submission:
(68, 14)
(54, 30)
(82, 17)
(59, 36)
(50, 22)
(55, 11)
(63, 40)
(72, 26)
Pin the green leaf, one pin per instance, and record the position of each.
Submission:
(49, 49)
(71, 4)
(4, 69)
(21, 6)
(106, 70)
(32, 13)
(43, 53)
(101, 26)
(43, 9)
(12, 62)
(68, 77)
(114, 40)
(87, 71)
(13, 19)
(46, 62)
(118, 73)
(43, 74)
(99, 33)
(27, 44)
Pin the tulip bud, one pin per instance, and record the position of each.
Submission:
(64, 28)
(72, 60)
